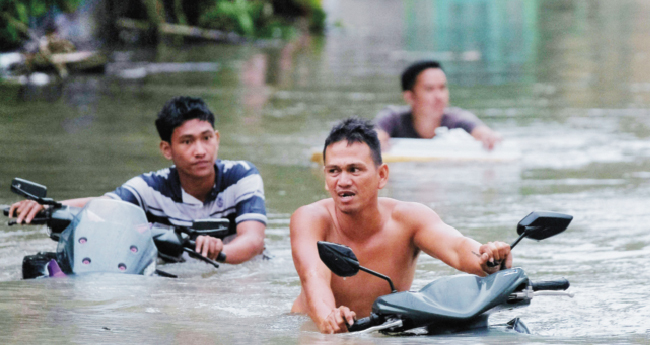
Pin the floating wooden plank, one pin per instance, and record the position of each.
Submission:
(181, 30)
(72, 57)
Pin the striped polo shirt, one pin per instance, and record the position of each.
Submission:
(237, 194)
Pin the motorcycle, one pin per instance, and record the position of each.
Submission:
(107, 235)
(457, 303)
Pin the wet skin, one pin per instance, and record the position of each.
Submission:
(353, 182)
(385, 234)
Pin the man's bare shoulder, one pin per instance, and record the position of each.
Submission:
(315, 210)
(316, 214)
(408, 212)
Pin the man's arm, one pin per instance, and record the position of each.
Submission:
(248, 243)
(250, 217)
(444, 242)
(487, 136)
(26, 210)
(459, 118)
(307, 228)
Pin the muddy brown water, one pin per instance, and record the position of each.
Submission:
(567, 80)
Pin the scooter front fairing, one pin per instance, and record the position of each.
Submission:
(108, 236)
(453, 303)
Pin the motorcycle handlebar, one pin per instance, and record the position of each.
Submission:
(37, 220)
(557, 284)
(361, 324)
(174, 244)
(221, 257)
(365, 323)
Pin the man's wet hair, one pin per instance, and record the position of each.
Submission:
(178, 110)
(410, 74)
(355, 130)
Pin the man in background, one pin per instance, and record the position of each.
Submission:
(424, 88)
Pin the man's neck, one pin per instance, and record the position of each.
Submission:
(197, 187)
(426, 123)
(360, 225)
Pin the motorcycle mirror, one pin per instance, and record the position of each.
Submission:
(28, 189)
(338, 258)
(341, 260)
(211, 227)
(33, 191)
(540, 225)
(168, 242)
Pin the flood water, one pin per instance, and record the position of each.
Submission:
(567, 80)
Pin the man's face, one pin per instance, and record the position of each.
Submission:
(430, 95)
(351, 176)
(193, 148)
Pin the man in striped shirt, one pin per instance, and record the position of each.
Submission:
(197, 186)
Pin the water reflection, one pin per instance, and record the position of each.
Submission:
(255, 93)
(273, 69)
(482, 42)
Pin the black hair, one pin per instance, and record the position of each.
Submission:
(178, 110)
(355, 130)
(410, 74)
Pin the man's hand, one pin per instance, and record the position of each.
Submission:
(25, 210)
(208, 246)
(336, 321)
(488, 137)
(494, 252)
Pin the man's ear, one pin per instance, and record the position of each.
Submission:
(326, 187)
(166, 149)
(408, 96)
(383, 176)
(218, 136)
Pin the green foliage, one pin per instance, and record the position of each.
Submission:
(67, 6)
(9, 33)
(255, 18)
(251, 18)
(15, 16)
(317, 20)
(241, 12)
(235, 15)
(316, 15)
(277, 29)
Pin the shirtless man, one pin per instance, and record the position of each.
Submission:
(386, 235)
(424, 88)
